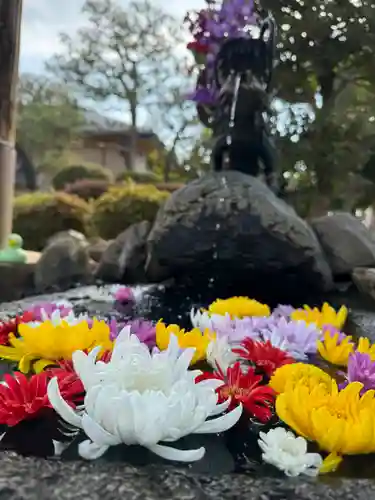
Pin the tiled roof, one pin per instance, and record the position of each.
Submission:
(97, 123)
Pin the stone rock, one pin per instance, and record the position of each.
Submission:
(64, 263)
(30, 478)
(364, 279)
(126, 254)
(17, 280)
(70, 233)
(97, 247)
(109, 266)
(346, 241)
(230, 229)
(133, 255)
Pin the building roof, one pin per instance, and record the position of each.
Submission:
(96, 123)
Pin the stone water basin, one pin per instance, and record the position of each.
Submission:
(224, 473)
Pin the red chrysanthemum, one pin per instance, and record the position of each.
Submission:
(23, 398)
(245, 388)
(263, 355)
(11, 326)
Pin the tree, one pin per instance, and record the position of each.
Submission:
(128, 55)
(48, 119)
(327, 49)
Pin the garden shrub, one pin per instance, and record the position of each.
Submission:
(38, 216)
(138, 177)
(88, 189)
(71, 174)
(125, 205)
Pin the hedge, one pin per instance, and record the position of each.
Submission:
(88, 189)
(138, 177)
(38, 216)
(71, 174)
(125, 205)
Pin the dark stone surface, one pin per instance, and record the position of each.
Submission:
(16, 280)
(364, 279)
(124, 259)
(132, 259)
(97, 247)
(229, 228)
(346, 241)
(32, 479)
(109, 266)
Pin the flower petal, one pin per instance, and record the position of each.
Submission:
(61, 406)
(169, 453)
(97, 434)
(90, 450)
(221, 424)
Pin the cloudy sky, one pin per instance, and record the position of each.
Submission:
(43, 20)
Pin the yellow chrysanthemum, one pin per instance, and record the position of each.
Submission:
(194, 338)
(325, 316)
(341, 422)
(288, 376)
(365, 347)
(239, 307)
(335, 349)
(44, 345)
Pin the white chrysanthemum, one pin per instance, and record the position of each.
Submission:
(56, 318)
(143, 398)
(282, 449)
(219, 353)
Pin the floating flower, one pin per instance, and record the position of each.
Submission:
(235, 329)
(338, 421)
(58, 318)
(153, 398)
(282, 449)
(46, 344)
(239, 307)
(325, 316)
(145, 331)
(22, 398)
(287, 376)
(364, 346)
(335, 349)
(263, 355)
(244, 388)
(11, 326)
(64, 307)
(296, 337)
(220, 353)
(123, 294)
(332, 330)
(360, 369)
(193, 338)
(283, 311)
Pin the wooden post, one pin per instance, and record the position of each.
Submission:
(10, 33)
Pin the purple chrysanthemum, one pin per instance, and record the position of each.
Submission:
(296, 337)
(360, 369)
(283, 311)
(144, 330)
(49, 308)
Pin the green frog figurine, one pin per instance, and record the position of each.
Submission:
(13, 252)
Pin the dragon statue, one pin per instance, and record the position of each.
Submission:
(234, 45)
